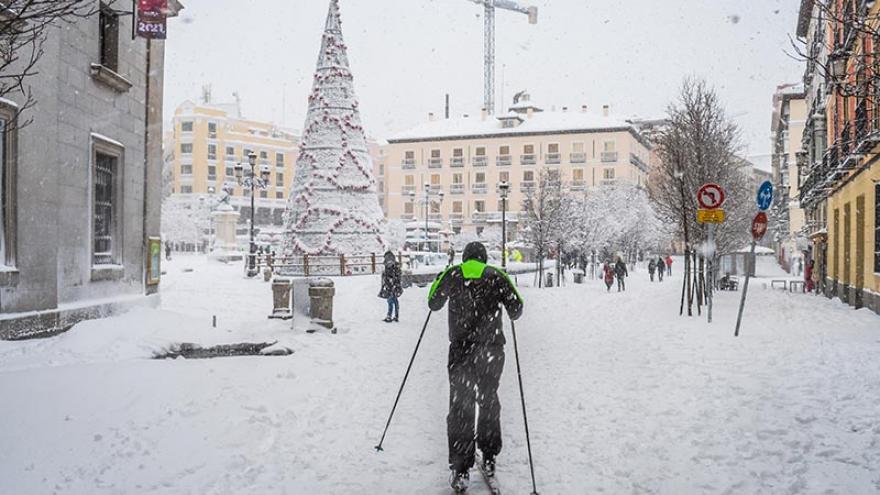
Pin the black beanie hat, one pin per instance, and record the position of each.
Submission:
(475, 251)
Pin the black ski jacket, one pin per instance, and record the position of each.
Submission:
(476, 291)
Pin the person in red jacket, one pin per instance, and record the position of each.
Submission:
(609, 275)
(669, 265)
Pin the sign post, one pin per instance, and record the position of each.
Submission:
(710, 197)
(759, 228)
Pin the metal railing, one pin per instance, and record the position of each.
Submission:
(337, 265)
(526, 185)
(456, 162)
(503, 161)
(435, 163)
(578, 158)
(609, 156)
(408, 164)
(553, 158)
(480, 161)
(479, 188)
(407, 189)
(578, 185)
(527, 159)
(456, 189)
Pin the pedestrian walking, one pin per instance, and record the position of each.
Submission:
(669, 265)
(608, 272)
(621, 273)
(660, 268)
(451, 254)
(808, 276)
(167, 251)
(652, 267)
(392, 288)
(476, 292)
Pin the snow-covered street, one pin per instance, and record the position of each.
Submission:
(624, 396)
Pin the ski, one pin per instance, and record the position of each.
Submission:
(491, 481)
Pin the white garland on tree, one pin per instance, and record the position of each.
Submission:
(333, 208)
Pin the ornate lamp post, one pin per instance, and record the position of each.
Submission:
(427, 202)
(251, 181)
(504, 188)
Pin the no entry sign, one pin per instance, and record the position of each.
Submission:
(710, 196)
(759, 226)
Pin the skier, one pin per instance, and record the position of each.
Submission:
(669, 265)
(391, 287)
(609, 275)
(475, 292)
(660, 268)
(652, 266)
(621, 272)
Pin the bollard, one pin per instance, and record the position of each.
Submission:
(281, 288)
(267, 274)
(321, 292)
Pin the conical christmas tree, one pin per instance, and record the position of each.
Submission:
(333, 208)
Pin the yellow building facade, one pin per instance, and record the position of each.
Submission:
(466, 158)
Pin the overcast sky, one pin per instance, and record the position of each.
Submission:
(406, 54)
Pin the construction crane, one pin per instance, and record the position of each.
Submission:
(489, 42)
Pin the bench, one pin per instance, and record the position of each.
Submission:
(797, 283)
(784, 284)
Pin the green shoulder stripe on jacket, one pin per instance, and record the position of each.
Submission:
(506, 276)
(437, 282)
(472, 269)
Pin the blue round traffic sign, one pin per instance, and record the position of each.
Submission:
(765, 195)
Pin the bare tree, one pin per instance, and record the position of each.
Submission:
(699, 146)
(24, 26)
(543, 209)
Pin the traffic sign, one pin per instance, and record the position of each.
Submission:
(710, 216)
(759, 226)
(710, 196)
(765, 195)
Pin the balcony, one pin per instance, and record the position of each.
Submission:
(553, 158)
(407, 189)
(456, 189)
(527, 159)
(480, 161)
(408, 164)
(435, 163)
(578, 158)
(407, 217)
(478, 188)
(478, 217)
(635, 160)
(503, 161)
(435, 217)
(609, 156)
(578, 185)
(527, 185)
(456, 218)
(608, 182)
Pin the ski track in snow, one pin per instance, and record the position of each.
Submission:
(624, 396)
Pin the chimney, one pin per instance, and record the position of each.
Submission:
(606, 109)
(483, 114)
(431, 117)
(584, 108)
(564, 109)
(466, 116)
(447, 106)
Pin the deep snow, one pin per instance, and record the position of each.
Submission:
(624, 396)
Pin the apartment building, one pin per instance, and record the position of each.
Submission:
(787, 130)
(467, 157)
(208, 139)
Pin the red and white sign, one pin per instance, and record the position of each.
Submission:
(151, 19)
(710, 197)
(759, 226)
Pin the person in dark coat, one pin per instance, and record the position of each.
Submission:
(621, 272)
(661, 268)
(167, 250)
(391, 287)
(476, 292)
(608, 270)
(652, 266)
(451, 254)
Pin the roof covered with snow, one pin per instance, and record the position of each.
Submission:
(569, 122)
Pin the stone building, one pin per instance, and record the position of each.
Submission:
(82, 178)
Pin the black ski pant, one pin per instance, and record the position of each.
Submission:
(474, 373)
(621, 284)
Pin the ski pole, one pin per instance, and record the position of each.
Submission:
(523, 400)
(405, 376)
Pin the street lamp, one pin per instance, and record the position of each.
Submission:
(427, 202)
(504, 187)
(252, 182)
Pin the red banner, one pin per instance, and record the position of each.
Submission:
(151, 19)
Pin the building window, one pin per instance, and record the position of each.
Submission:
(457, 178)
(608, 174)
(8, 162)
(435, 180)
(279, 179)
(264, 193)
(577, 175)
(480, 177)
(835, 264)
(186, 169)
(212, 172)
(381, 169)
(109, 37)
(504, 177)
(504, 150)
(409, 180)
(279, 160)
(847, 242)
(456, 206)
(186, 148)
(230, 171)
(186, 126)
(107, 198)
(553, 148)
(230, 152)
(529, 149)
(435, 154)
(279, 194)
(212, 152)
(212, 130)
(480, 151)
(264, 155)
(529, 176)
(877, 228)
(186, 189)
(408, 208)
(479, 206)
